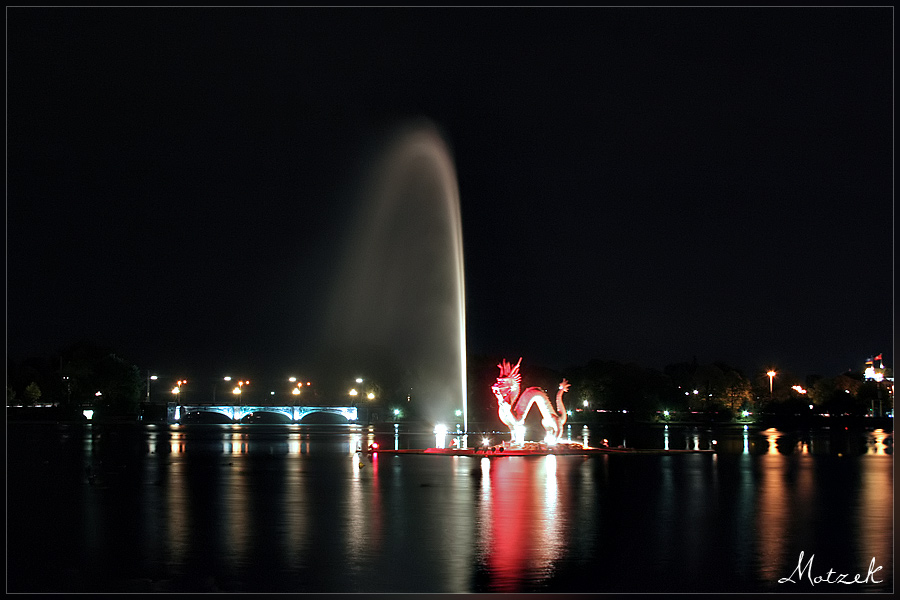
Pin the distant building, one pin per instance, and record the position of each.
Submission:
(875, 371)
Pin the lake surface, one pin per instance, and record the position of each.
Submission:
(294, 508)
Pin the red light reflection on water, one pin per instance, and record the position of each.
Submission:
(520, 519)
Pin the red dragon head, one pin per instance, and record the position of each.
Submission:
(507, 387)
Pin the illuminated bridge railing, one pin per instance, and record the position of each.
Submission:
(176, 412)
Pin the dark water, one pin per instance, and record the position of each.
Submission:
(288, 508)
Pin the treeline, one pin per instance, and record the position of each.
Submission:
(687, 386)
(87, 373)
(84, 373)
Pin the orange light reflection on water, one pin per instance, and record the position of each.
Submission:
(878, 445)
(772, 509)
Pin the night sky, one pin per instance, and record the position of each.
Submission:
(647, 185)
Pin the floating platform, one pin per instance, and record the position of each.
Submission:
(535, 449)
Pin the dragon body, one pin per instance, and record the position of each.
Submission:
(513, 404)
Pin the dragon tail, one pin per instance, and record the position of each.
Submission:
(560, 407)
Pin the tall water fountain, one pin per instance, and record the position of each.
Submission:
(399, 298)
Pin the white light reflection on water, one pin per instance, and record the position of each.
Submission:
(460, 526)
(236, 508)
(666, 510)
(552, 544)
(355, 443)
(175, 502)
(484, 537)
(742, 514)
(295, 518)
(151, 439)
(355, 515)
(295, 443)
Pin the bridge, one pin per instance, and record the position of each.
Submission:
(176, 412)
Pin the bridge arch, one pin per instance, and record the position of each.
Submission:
(177, 412)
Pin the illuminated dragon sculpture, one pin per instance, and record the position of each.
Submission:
(513, 406)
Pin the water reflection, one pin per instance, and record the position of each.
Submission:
(772, 512)
(176, 441)
(772, 436)
(522, 518)
(878, 442)
(295, 442)
(238, 444)
(299, 508)
(178, 520)
(355, 444)
(236, 509)
(874, 515)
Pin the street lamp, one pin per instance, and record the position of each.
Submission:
(771, 375)
(216, 387)
(149, 378)
(177, 390)
(354, 392)
(295, 389)
(68, 389)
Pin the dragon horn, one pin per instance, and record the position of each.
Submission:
(516, 369)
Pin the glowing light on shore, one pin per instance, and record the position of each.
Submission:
(440, 436)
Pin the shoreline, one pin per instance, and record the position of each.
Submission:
(63, 415)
